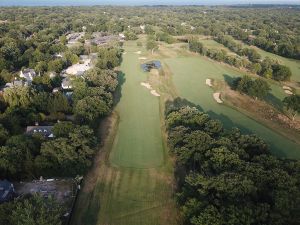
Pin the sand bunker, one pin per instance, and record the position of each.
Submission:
(142, 58)
(288, 92)
(138, 52)
(124, 53)
(217, 97)
(208, 82)
(153, 92)
(146, 85)
(287, 88)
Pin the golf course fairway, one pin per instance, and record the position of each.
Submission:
(134, 181)
(189, 75)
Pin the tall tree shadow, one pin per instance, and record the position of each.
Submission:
(274, 101)
(118, 93)
(230, 80)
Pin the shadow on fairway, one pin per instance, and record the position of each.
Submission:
(118, 93)
(229, 80)
(276, 102)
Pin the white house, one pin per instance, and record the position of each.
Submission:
(78, 69)
(28, 75)
(45, 131)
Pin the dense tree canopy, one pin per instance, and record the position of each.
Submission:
(292, 104)
(257, 88)
(227, 177)
(31, 210)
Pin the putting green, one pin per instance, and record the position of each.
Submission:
(189, 75)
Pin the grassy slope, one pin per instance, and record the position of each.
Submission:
(189, 74)
(134, 186)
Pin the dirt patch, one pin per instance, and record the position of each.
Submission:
(61, 190)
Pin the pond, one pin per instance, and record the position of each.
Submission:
(146, 67)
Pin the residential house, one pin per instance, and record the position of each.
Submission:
(7, 191)
(79, 69)
(73, 38)
(28, 75)
(45, 131)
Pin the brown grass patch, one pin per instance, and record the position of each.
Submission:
(264, 113)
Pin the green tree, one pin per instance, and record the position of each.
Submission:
(56, 65)
(58, 103)
(292, 104)
(102, 78)
(255, 68)
(90, 109)
(36, 210)
(62, 129)
(281, 72)
(151, 44)
(18, 96)
(67, 156)
(259, 89)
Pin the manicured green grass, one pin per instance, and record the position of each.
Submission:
(138, 143)
(133, 197)
(189, 75)
(134, 185)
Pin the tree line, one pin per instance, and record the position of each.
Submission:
(226, 177)
(267, 68)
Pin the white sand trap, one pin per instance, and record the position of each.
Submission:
(138, 52)
(142, 58)
(217, 97)
(153, 92)
(208, 82)
(124, 53)
(146, 85)
(287, 88)
(288, 92)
